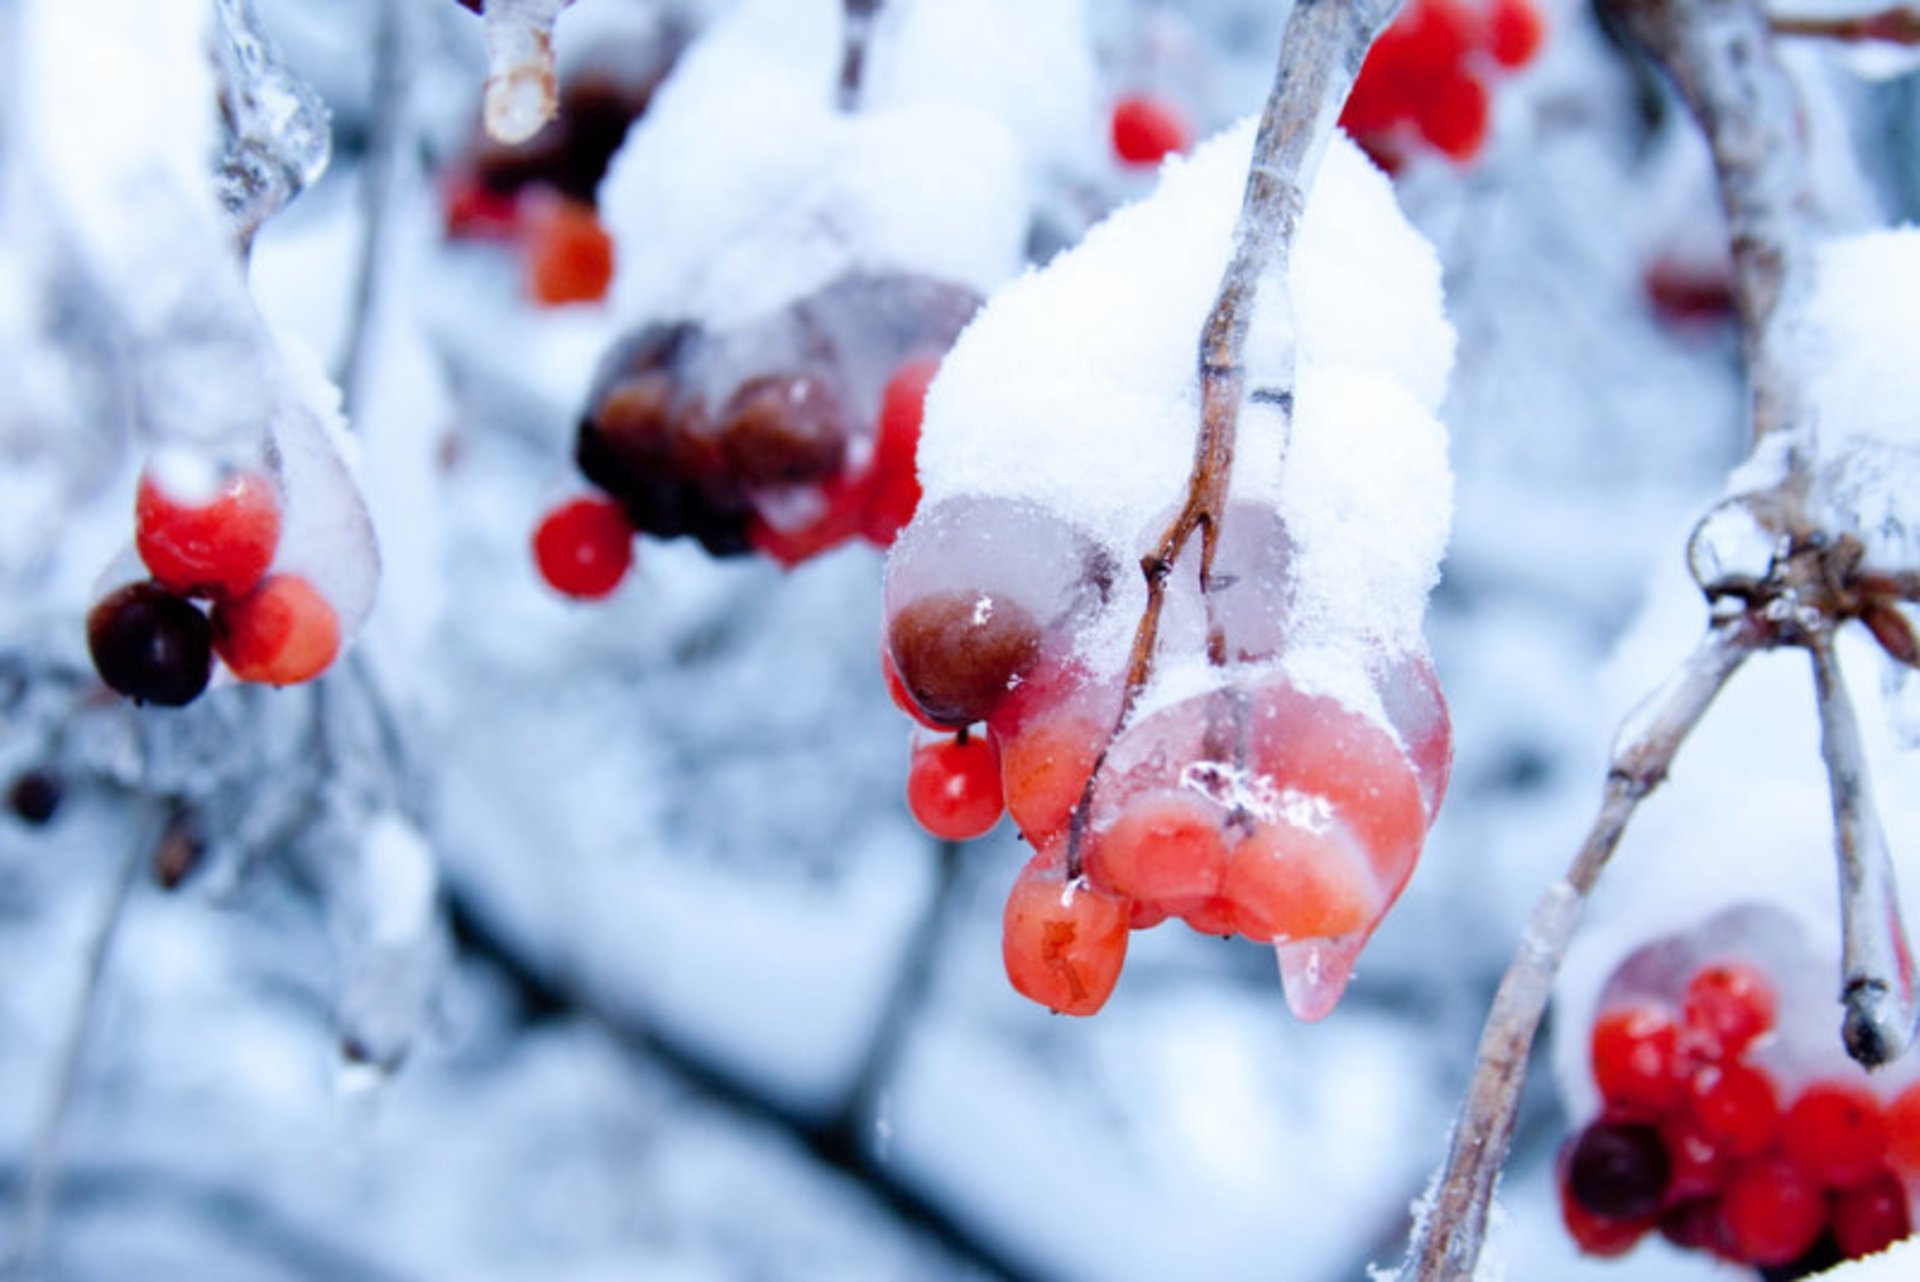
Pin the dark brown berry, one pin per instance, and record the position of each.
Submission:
(35, 797)
(784, 429)
(958, 655)
(151, 645)
(1619, 1169)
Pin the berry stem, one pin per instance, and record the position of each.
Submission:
(1321, 50)
(1447, 1241)
(1877, 978)
(856, 35)
(1898, 25)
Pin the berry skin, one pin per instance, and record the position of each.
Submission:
(1773, 1211)
(1871, 1216)
(1146, 130)
(569, 254)
(1636, 1061)
(35, 796)
(1063, 941)
(1836, 1132)
(1165, 849)
(958, 654)
(219, 547)
(150, 645)
(1619, 1169)
(953, 787)
(584, 548)
(283, 634)
(1735, 1107)
(893, 485)
(1726, 1008)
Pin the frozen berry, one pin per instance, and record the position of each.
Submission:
(1164, 848)
(1291, 881)
(584, 548)
(569, 254)
(1735, 1106)
(150, 645)
(1044, 767)
(959, 653)
(953, 787)
(1871, 1216)
(1619, 1169)
(1635, 1053)
(1063, 941)
(1727, 1006)
(212, 540)
(35, 797)
(1773, 1211)
(783, 429)
(1454, 116)
(893, 483)
(283, 634)
(1605, 1236)
(1836, 1132)
(1903, 1131)
(1146, 130)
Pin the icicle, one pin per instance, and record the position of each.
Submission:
(1314, 973)
(522, 88)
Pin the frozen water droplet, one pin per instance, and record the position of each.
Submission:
(1314, 973)
(1731, 546)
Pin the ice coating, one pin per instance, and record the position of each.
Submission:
(1076, 389)
(999, 548)
(745, 187)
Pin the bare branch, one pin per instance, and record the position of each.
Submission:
(1877, 978)
(1899, 25)
(1447, 1241)
(385, 148)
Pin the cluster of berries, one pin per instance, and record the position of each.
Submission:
(212, 542)
(540, 195)
(1699, 1141)
(1424, 80)
(1252, 807)
(787, 437)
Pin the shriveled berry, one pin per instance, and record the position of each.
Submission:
(35, 797)
(959, 653)
(1146, 130)
(216, 544)
(284, 633)
(150, 645)
(1727, 1007)
(1773, 1211)
(1635, 1052)
(1871, 1216)
(1836, 1132)
(1063, 941)
(1619, 1169)
(584, 547)
(953, 787)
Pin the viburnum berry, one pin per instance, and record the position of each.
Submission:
(1289, 881)
(1044, 768)
(1063, 941)
(953, 787)
(842, 506)
(584, 547)
(214, 541)
(1146, 130)
(1903, 1131)
(958, 654)
(898, 693)
(471, 210)
(1773, 1211)
(282, 634)
(1694, 1223)
(1736, 1106)
(569, 254)
(151, 645)
(1699, 1165)
(1605, 1236)
(35, 796)
(1454, 116)
(1836, 1132)
(1727, 1006)
(1871, 1216)
(1636, 1060)
(1164, 848)
(1619, 1169)
(1515, 32)
(893, 485)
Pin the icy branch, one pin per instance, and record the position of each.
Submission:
(1899, 25)
(1447, 1240)
(1720, 56)
(1877, 980)
(856, 34)
(523, 89)
(278, 136)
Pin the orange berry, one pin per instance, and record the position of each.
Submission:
(284, 633)
(569, 255)
(1290, 882)
(1063, 941)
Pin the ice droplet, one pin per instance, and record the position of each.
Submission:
(1314, 973)
(1731, 547)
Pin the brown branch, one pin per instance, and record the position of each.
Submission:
(1899, 25)
(1877, 977)
(1448, 1238)
(1321, 50)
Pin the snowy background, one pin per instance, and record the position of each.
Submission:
(700, 1001)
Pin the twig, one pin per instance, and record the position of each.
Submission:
(1448, 1238)
(1321, 50)
(43, 1175)
(856, 35)
(1899, 25)
(1877, 977)
(384, 143)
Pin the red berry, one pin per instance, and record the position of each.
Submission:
(1063, 941)
(1727, 1006)
(474, 211)
(1146, 130)
(1903, 1131)
(282, 634)
(1165, 848)
(893, 483)
(1700, 1168)
(1454, 116)
(1736, 1107)
(1636, 1060)
(1514, 32)
(1836, 1132)
(1773, 1211)
(953, 787)
(584, 547)
(1872, 1215)
(218, 544)
(1044, 768)
(569, 254)
(1290, 881)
